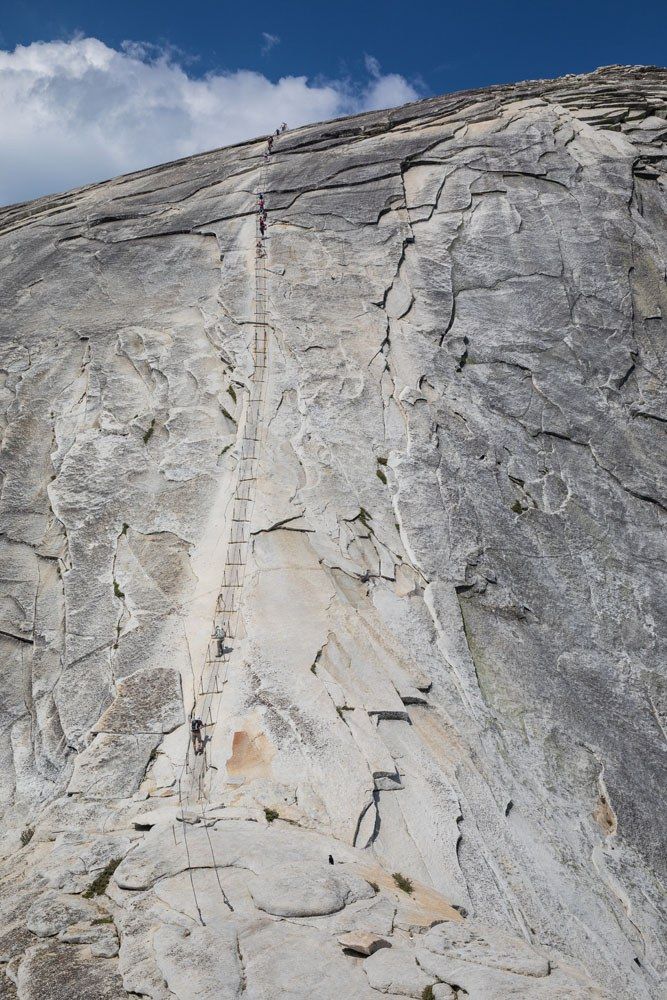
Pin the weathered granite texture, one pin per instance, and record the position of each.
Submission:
(454, 610)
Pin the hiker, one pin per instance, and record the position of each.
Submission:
(262, 225)
(261, 202)
(220, 636)
(196, 726)
(283, 127)
(259, 248)
(331, 860)
(277, 132)
(269, 143)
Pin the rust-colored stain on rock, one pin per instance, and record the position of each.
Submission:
(251, 755)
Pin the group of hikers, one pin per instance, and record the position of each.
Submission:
(261, 204)
(197, 726)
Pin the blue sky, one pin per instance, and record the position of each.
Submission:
(98, 89)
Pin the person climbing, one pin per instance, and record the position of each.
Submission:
(262, 225)
(220, 636)
(261, 202)
(259, 248)
(269, 143)
(277, 132)
(283, 127)
(331, 860)
(196, 726)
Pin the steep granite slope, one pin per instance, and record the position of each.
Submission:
(444, 665)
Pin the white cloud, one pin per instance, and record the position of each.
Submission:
(269, 41)
(79, 111)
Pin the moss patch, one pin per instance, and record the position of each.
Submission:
(149, 433)
(99, 885)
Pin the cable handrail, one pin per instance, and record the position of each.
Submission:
(215, 668)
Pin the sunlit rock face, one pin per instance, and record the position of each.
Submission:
(446, 675)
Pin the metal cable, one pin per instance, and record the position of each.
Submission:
(228, 603)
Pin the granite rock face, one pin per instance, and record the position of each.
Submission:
(442, 717)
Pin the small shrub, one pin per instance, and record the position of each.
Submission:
(117, 591)
(27, 835)
(149, 433)
(427, 993)
(381, 476)
(517, 508)
(230, 390)
(402, 882)
(101, 920)
(374, 886)
(228, 415)
(344, 708)
(364, 517)
(100, 884)
(123, 530)
(382, 461)
(271, 814)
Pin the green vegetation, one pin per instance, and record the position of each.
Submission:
(271, 814)
(381, 476)
(344, 708)
(100, 884)
(402, 882)
(117, 591)
(27, 835)
(374, 886)
(101, 920)
(230, 390)
(427, 993)
(123, 530)
(149, 433)
(364, 517)
(517, 508)
(382, 461)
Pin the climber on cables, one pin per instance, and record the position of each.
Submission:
(283, 127)
(220, 635)
(277, 132)
(261, 202)
(262, 225)
(196, 727)
(269, 143)
(260, 249)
